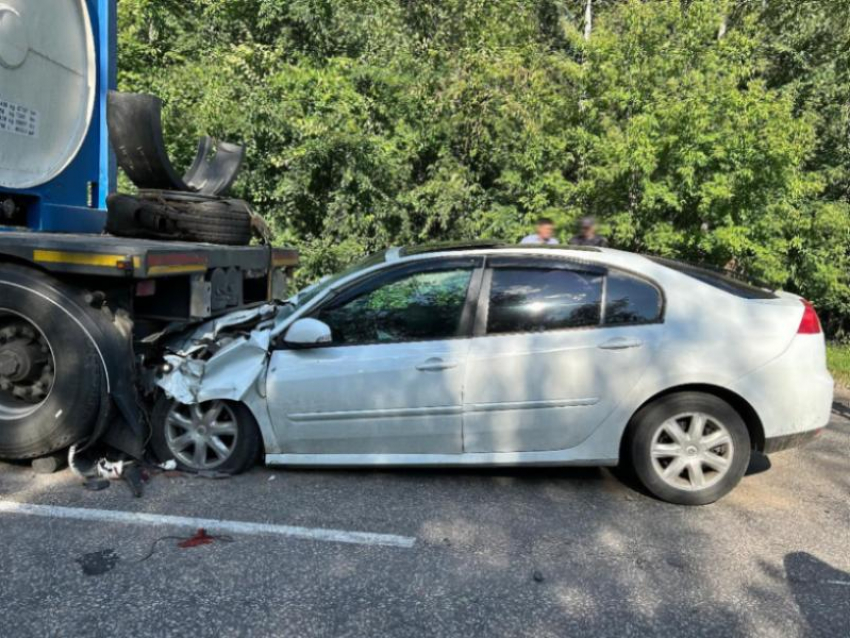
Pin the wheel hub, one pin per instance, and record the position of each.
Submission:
(9, 364)
(26, 364)
(21, 360)
(692, 451)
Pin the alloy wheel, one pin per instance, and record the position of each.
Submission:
(201, 436)
(692, 451)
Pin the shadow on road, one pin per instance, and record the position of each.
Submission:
(822, 594)
(841, 409)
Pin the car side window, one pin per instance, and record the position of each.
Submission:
(539, 299)
(630, 300)
(414, 307)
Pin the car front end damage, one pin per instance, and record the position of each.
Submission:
(219, 359)
(225, 359)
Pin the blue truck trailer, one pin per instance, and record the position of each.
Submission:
(80, 309)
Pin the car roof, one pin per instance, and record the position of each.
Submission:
(486, 245)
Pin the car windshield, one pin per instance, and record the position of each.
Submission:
(314, 290)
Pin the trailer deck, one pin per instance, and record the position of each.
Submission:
(108, 256)
(171, 281)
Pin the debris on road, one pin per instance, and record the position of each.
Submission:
(96, 484)
(110, 470)
(98, 563)
(202, 538)
(105, 560)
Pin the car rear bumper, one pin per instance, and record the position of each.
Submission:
(789, 441)
(792, 394)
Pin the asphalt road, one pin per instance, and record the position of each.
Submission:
(494, 553)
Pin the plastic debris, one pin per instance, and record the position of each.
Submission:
(200, 538)
(109, 469)
(105, 560)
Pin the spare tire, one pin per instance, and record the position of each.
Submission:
(51, 374)
(180, 217)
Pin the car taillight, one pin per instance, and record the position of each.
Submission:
(809, 324)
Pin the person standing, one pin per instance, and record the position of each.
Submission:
(544, 235)
(587, 234)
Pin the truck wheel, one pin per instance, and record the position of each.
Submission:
(219, 436)
(50, 372)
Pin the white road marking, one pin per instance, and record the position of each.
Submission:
(212, 525)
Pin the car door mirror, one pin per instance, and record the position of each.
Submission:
(308, 333)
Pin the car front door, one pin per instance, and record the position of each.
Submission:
(558, 345)
(391, 381)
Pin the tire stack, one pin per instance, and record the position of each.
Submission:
(172, 215)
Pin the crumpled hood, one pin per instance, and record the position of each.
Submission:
(224, 358)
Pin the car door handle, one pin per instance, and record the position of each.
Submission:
(435, 365)
(621, 343)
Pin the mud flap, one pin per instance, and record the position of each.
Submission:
(120, 421)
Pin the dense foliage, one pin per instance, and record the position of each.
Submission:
(711, 130)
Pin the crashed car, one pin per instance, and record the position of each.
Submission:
(488, 355)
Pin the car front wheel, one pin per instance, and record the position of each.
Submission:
(689, 448)
(219, 436)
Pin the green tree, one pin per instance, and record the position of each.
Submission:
(711, 130)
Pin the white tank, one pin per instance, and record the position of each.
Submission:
(48, 83)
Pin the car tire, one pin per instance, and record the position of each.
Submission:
(689, 448)
(236, 449)
(66, 365)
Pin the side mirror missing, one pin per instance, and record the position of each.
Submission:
(308, 333)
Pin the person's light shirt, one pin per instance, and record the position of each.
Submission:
(537, 239)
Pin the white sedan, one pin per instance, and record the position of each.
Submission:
(492, 355)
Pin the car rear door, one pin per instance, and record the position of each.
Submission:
(558, 345)
(391, 382)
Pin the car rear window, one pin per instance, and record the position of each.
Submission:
(629, 300)
(718, 279)
(539, 299)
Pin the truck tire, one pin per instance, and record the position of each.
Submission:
(221, 222)
(51, 374)
(180, 217)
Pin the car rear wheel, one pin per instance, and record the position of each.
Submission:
(689, 448)
(219, 436)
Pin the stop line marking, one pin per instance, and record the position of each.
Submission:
(212, 525)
